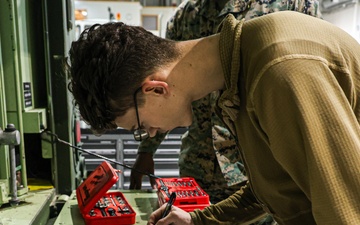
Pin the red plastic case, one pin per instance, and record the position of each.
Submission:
(189, 195)
(99, 207)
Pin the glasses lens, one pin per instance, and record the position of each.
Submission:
(140, 134)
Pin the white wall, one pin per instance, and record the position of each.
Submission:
(164, 14)
(129, 11)
(347, 18)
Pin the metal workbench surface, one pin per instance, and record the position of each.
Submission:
(144, 202)
(32, 210)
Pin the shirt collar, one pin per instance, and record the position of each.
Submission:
(229, 100)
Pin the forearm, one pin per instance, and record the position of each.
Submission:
(241, 207)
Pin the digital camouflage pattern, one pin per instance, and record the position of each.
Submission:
(208, 152)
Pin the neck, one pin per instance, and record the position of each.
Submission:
(199, 67)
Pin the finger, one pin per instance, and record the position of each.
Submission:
(156, 215)
(153, 183)
(166, 220)
(135, 184)
(132, 183)
(131, 186)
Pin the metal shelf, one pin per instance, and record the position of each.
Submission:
(121, 146)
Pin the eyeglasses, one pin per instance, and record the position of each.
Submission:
(140, 133)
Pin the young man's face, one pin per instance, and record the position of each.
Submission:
(158, 114)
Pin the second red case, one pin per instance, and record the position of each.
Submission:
(189, 195)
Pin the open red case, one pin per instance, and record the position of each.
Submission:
(189, 195)
(97, 205)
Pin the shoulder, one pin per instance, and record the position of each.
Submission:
(185, 12)
(185, 8)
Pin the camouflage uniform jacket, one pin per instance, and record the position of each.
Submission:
(207, 143)
(208, 151)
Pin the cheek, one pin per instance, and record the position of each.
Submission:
(127, 121)
(188, 119)
(182, 117)
(170, 118)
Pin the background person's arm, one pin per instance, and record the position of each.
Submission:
(144, 160)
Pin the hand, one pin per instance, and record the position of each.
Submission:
(176, 216)
(144, 162)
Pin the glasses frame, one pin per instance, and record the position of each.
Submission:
(139, 133)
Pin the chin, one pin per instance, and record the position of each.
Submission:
(187, 123)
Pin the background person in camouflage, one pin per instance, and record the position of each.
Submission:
(208, 152)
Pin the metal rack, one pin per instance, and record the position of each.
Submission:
(121, 146)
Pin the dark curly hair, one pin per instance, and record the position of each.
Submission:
(107, 64)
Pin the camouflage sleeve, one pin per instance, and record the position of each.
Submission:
(185, 24)
(150, 145)
(170, 29)
(173, 23)
(309, 7)
(263, 7)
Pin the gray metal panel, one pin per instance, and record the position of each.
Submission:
(121, 146)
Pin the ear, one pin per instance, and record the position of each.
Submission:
(155, 87)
